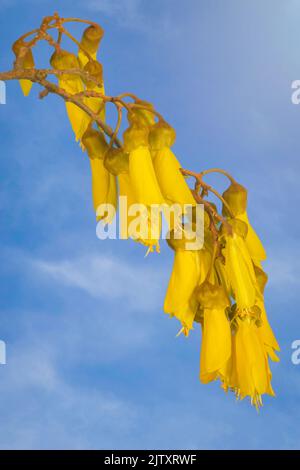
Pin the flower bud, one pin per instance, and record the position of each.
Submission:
(95, 143)
(116, 161)
(95, 70)
(212, 296)
(161, 135)
(236, 198)
(135, 136)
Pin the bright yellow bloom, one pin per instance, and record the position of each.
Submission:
(27, 62)
(236, 197)
(72, 84)
(179, 301)
(145, 187)
(90, 43)
(251, 375)
(97, 105)
(167, 168)
(239, 268)
(216, 334)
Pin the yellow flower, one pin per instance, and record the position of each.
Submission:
(132, 224)
(116, 161)
(190, 268)
(216, 336)
(251, 374)
(104, 187)
(253, 242)
(72, 84)
(90, 43)
(27, 63)
(141, 114)
(141, 172)
(239, 267)
(236, 197)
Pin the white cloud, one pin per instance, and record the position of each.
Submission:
(104, 277)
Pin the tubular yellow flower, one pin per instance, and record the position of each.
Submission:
(90, 42)
(216, 336)
(236, 196)
(251, 373)
(239, 267)
(27, 63)
(73, 84)
(265, 329)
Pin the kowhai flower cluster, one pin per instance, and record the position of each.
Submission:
(220, 284)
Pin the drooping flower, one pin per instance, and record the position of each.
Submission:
(251, 375)
(167, 168)
(79, 119)
(90, 42)
(179, 301)
(216, 334)
(27, 62)
(239, 267)
(141, 114)
(236, 197)
(265, 330)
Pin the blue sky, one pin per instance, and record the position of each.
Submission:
(92, 362)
